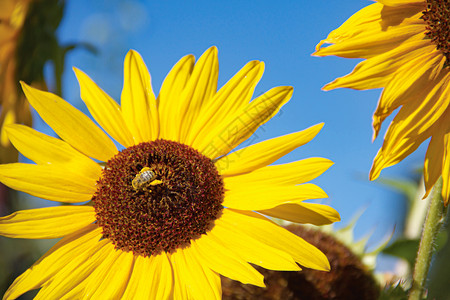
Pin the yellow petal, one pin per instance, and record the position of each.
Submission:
(46, 223)
(54, 260)
(70, 280)
(272, 235)
(436, 159)
(179, 286)
(446, 169)
(101, 272)
(162, 286)
(412, 81)
(286, 174)
(71, 124)
(378, 71)
(411, 126)
(200, 281)
(225, 262)
(399, 2)
(138, 101)
(152, 278)
(170, 96)
(372, 42)
(247, 245)
(104, 109)
(9, 118)
(110, 281)
(47, 150)
(48, 182)
(238, 127)
(373, 30)
(305, 213)
(262, 154)
(366, 16)
(231, 98)
(257, 197)
(433, 161)
(202, 85)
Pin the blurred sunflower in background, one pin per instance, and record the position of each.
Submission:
(351, 276)
(176, 208)
(13, 104)
(27, 43)
(406, 47)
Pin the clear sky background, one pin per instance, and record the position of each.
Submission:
(283, 35)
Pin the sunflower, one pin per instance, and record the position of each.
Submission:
(174, 209)
(406, 47)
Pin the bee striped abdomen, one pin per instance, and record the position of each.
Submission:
(143, 179)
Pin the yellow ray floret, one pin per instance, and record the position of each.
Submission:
(405, 47)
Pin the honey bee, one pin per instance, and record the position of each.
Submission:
(144, 178)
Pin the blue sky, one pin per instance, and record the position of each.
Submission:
(281, 34)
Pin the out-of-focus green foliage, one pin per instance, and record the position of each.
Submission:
(407, 187)
(393, 293)
(39, 44)
(34, 45)
(439, 275)
(407, 248)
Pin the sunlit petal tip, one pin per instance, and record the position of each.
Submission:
(337, 217)
(376, 126)
(375, 171)
(185, 60)
(331, 86)
(211, 54)
(427, 192)
(134, 57)
(315, 129)
(25, 86)
(317, 52)
(326, 265)
(319, 126)
(289, 90)
(212, 50)
(78, 73)
(132, 53)
(374, 135)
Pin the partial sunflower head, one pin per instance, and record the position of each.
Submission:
(350, 277)
(405, 44)
(177, 207)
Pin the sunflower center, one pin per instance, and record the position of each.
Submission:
(157, 196)
(437, 17)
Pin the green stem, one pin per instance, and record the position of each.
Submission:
(433, 222)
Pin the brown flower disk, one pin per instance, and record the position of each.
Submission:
(437, 17)
(161, 217)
